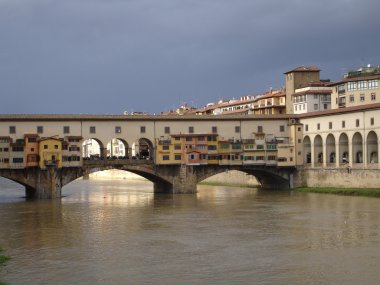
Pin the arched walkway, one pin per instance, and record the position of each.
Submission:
(93, 149)
(118, 149)
(318, 151)
(145, 149)
(357, 148)
(372, 150)
(330, 150)
(343, 149)
(307, 150)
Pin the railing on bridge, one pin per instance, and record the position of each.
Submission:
(96, 162)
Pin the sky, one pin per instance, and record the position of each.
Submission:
(111, 56)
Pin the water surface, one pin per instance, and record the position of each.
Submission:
(118, 232)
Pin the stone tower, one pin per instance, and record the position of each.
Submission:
(298, 78)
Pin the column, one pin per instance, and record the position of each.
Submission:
(324, 154)
(337, 154)
(312, 154)
(350, 157)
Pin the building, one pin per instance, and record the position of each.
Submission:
(297, 78)
(50, 150)
(357, 88)
(312, 98)
(271, 103)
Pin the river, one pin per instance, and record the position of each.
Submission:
(118, 232)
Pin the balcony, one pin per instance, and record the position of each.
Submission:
(162, 142)
(52, 162)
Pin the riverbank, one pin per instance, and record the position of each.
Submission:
(215, 183)
(368, 192)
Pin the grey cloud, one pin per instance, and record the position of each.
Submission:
(87, 56)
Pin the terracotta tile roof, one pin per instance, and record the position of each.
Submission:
(270, 95)
(304, 69)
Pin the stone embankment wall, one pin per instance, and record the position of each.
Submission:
(341, 178)
(232, 177)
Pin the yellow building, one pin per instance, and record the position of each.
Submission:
(50, 150)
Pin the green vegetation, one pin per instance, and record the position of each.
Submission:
(368, 192)
(3, 260)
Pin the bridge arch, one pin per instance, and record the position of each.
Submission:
(268, 178)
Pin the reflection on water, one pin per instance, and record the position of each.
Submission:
(118, 232)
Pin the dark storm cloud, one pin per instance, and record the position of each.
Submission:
(82, 56)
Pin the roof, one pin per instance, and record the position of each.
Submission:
(339, 111)
(325, 91)
(270, 95)
(126, 118)
(311, 68)
(357, 78)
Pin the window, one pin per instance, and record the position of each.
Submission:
(211, 138)
(177, 157)
(165, 157)
(362, 97)
(214, 129)
(92, 130)
(18, 160)
(66, 129)
(357, 122)
(343, 124)
(315, 106)
(325, 106)
(306, 128)
(315, 96)
(330, 125)
(165, 147)
(373, 84)
(12, 129)
(17, 148)
(373, 96)
(142, 130)
(167, 130)
(237, 129)
(40, 129)
(177, 146)
(55, 146)
(45, 146)
(282, 128)
(352, 98)
(299, 129)
(318, 126)
(372, 121)
(32, 140)
(191, 130)
(212, 147)
(118, 130)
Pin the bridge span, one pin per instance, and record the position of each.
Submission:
(46, 152)
(175, 179)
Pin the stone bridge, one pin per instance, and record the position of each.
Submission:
(176, 179)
